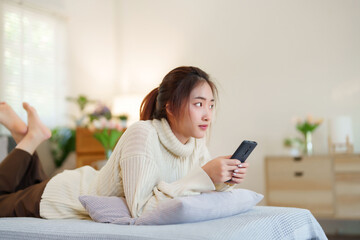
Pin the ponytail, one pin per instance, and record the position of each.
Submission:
(148, 105)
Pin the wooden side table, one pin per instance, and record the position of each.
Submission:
(88, 149)
(304, 182)
(327, 185)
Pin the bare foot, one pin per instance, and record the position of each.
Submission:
(35, 126)
(12, 122)
(37, 131)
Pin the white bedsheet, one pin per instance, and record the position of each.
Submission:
(259, 223)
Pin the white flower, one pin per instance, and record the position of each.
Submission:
(112, 124)
(97, 124)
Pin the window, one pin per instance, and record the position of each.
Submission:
(32, 59)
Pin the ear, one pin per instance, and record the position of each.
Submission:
(168, 110)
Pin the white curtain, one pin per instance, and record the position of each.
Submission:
(33, 61)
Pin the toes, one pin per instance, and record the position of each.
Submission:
(26, 106)
(4, 104)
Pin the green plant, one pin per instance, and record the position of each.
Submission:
(294, 142)
(107, 132)
(308, 125)
(62, 143)
(123, 117)
(108, 138)
(81, 101)
(305, 127)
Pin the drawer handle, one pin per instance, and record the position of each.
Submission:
(298, 174)
(297, 159)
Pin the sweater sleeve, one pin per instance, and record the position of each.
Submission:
(144, 190)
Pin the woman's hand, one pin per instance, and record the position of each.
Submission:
(239, 174)
(222, 169)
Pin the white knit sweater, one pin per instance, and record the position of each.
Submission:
(148, 165)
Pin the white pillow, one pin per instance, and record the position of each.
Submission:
(206, 206)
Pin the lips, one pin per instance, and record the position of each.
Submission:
(203, 127)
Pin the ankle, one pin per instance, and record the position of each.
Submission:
(39, 136)
(26, 148)
(28, 144)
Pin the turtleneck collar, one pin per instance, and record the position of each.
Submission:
(170, 141)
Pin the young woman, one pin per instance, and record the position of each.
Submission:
(161, 157)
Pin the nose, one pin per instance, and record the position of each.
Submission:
(207, 115)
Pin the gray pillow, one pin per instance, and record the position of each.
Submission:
(206, 206)
(107, 209)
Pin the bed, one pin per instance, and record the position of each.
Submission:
(261, 222)
(258, 223)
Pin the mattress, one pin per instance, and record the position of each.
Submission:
(259, 223)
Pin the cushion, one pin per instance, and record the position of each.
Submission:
(107, 209)
(206, 206)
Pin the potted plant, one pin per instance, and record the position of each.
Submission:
(306, 126)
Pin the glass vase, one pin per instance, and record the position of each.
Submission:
(308, 143)
(108, 153)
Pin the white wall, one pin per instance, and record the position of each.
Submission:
(272, 60)
(92, 48)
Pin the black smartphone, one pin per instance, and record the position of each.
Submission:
(244, 150)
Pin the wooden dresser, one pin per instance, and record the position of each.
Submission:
(88, 149)
(327, 185)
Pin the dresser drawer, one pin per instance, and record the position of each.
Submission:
(286, 173)
(347, 163)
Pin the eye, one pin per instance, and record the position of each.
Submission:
(212, 106)
(198, 104)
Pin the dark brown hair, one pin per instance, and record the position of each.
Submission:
(174, 90)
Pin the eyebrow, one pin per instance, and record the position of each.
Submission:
(202, 98)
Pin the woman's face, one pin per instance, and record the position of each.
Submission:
(196, 116)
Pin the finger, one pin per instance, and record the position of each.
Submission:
(236, 180)
(243, 165)
(240, 170)
(238, 167)
(235, 167)
(238, 175)
(227, 157)
(231, 168)
(232, 162)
